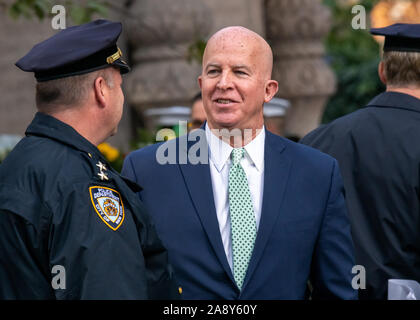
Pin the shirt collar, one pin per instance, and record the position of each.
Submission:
(219, 151)
(255, 149)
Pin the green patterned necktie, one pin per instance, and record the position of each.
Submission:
(242, 218)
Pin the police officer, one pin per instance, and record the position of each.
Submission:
(70, 226)
(379, 155)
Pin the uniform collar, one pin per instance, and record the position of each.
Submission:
(47, 126)
(219, 151)
(396, 100)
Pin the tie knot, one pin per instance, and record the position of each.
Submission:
(237, 154)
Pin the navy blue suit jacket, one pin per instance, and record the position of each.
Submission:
(304, 232)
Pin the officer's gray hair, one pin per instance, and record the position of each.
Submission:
(59, 94)
(402, 69)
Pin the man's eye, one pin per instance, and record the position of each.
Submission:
(240, 72)
(212, 71)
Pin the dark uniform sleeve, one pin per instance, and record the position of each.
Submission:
(99, 262)
(23, 269)
(66, 251)
(161, 279)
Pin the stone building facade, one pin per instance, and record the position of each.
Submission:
(157, 34)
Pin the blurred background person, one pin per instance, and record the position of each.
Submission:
(379, 155)
(274, 115)
(198, 114)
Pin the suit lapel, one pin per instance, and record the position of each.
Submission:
(276, 172)
(198, 182)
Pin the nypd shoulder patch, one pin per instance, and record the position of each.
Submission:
(108, 205)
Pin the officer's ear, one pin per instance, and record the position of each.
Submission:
(382, 73)
(101, 91)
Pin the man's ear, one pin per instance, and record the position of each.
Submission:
(101, 91)
(271, 88)
(199, 82)
(381, 72)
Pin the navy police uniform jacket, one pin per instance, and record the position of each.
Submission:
(379, 155)
(71, 227)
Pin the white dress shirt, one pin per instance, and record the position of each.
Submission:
(220, 163)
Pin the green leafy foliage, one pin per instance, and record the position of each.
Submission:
(196, 51)
(354, 56)
(117, 164)
(27, 8)
(78, 11)
(82, 13)
(143, 138)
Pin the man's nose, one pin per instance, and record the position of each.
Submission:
(225, 81)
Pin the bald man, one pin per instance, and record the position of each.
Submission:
(246, 214)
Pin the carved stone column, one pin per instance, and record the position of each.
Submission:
(295, 30)
(159, 34)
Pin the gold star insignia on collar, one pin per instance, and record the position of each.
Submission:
(101, 166)
(103, 176)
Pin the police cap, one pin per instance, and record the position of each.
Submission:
(400, 37)
(76, 50)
